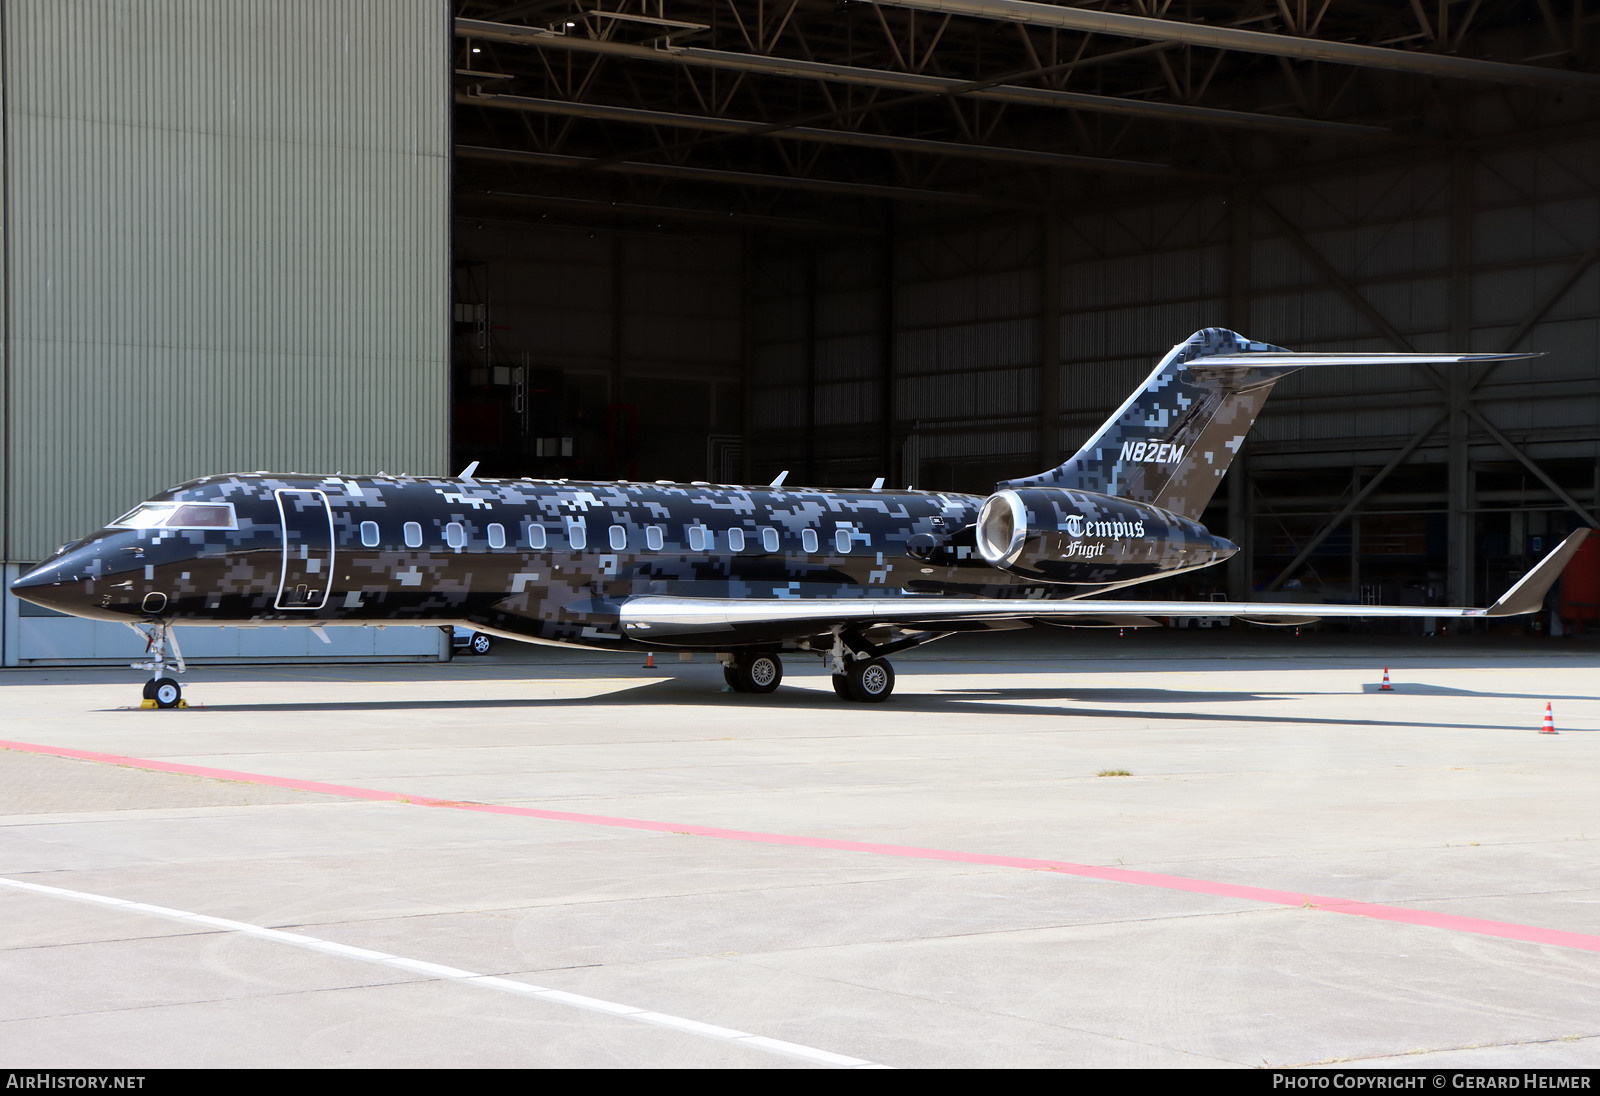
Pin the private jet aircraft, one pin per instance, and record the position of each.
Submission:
(746, 572)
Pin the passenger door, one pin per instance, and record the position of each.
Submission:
(307, 549)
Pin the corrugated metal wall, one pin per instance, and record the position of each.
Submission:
(227, 247)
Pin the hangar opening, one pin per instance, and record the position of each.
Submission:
(938, 242)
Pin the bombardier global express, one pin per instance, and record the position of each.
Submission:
(749, 573)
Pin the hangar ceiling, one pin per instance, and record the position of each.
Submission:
(796, 114)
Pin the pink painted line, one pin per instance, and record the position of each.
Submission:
(1505, 930)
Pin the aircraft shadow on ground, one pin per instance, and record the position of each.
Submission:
(672, 691)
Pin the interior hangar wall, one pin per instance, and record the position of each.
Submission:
(226, 248)
(595, 353)
(1000, 344)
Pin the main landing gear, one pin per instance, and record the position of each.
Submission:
(865, 680)
(868, 680)
(162, 690)
(753, 673)
(860, 672)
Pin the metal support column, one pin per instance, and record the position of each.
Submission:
(1240, 203)
(747, 350)
(811, 366)
(887, 448)
(1461, 527)
(1241, 528)
(1050, 340)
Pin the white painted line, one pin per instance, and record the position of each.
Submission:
(465, 977)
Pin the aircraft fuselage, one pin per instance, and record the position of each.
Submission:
(550, 560)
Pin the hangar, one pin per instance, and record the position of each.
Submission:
(929, 240)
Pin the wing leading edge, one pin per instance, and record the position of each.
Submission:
(665, 619)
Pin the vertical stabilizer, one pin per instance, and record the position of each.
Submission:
(1170, 443)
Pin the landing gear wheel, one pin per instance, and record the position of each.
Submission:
(165, 692)
(150, 689)
(480, 644)
(753, 673)
(841, 685)
(869, 680)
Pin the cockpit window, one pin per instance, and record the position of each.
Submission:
(179, 515)
(203, 515)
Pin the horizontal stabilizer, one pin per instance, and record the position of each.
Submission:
(1291, 360)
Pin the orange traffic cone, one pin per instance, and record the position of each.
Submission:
(649, 660)
(1549, 720)
(1386, 687)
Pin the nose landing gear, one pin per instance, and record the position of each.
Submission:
(161, 691)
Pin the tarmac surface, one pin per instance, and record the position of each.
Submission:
(1200, 849)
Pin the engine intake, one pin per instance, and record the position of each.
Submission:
(1084, 538)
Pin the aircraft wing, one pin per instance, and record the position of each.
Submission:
(703, 620)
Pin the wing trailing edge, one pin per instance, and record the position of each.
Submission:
(705, 621)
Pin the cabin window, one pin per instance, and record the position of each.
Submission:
(497, 535)
(808, 541)
(369, 534)
(841, 542)
(413, 533)
(454, 535)
(735, 540)
(653, 538)
(619, 538)
(769, 539)
(577, 534)
(535, 535)
(697, 538)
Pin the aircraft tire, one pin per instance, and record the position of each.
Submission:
(165, 692)
(870, 680)
(841, 685)
(758, 673)
(150, 689)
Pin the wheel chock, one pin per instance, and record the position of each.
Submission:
(148, 704)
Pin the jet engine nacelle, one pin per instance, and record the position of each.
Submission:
(1084, 538)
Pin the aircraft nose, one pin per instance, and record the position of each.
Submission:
(59, 583)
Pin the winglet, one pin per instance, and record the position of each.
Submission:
(778, 480)
(469, 471)
(1528, 594)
